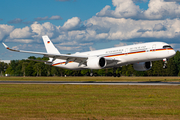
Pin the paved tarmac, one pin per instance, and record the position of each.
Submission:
(91, 83)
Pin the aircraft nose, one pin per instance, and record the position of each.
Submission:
(173, 52)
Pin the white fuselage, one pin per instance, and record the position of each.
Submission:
(130, 54)
(140, 55)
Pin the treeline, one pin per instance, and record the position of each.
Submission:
(33, 68)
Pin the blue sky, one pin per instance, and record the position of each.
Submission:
(83, 25)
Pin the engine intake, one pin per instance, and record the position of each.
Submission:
(142, 66)
(96, 62)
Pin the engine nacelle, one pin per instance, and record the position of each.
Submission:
(142, 66)
(96, 62)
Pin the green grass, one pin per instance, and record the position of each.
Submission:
(23, 101)
(118, 79)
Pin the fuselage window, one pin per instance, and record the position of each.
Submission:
(167, 46)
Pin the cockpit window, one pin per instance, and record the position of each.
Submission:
(167, 46)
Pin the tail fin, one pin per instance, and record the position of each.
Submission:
(50, 48)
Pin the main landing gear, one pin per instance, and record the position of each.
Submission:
(165, 63)
(91, 74)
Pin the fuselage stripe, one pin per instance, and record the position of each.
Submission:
(61, 63)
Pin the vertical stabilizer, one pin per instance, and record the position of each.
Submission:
(50, 48)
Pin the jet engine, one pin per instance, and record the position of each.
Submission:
(96, 62)
(142, 66)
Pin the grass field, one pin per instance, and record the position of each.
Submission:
(26, 101)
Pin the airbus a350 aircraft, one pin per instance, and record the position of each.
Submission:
(140, 55)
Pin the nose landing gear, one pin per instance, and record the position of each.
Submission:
(165, 63)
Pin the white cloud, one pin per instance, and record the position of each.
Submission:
(15, 21)
(46, 28)
(5, 30)
(123, 29)
(69, 43)
(120, 44)
(20, 40)
(91, 48)
(124, 9)
(41, 18)
(25, 32)
(72, 23)
(101, 36)
(119, 24)
(159, 27)
(26, 46)
(158, 9)
(97, 28)
(68, 48)
(100, 28)
(85, 44)
(172, 0)
(56, 17)
(66, 36)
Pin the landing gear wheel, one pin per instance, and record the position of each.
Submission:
(87, 74)
(165, 63)
(114, 74)
(118, 75)
(164, 66)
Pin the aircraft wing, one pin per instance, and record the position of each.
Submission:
(75, 58)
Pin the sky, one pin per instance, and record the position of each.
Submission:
(84, 25)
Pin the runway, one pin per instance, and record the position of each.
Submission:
(91, 83)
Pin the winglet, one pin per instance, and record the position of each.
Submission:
(9, 48)
(5, 46)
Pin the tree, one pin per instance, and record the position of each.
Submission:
(177, 60)
(54, 71)
(24, 64)
(37, 68)
(149, 72)
(124, 69)
(48, 70)
(85, 72)
(130, 69)
(171, 68)
(2, 64)
(32, 68)
(157, 67)
(68, 72)
(101, 72)
(29, 69)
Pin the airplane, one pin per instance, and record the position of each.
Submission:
(140, 55)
